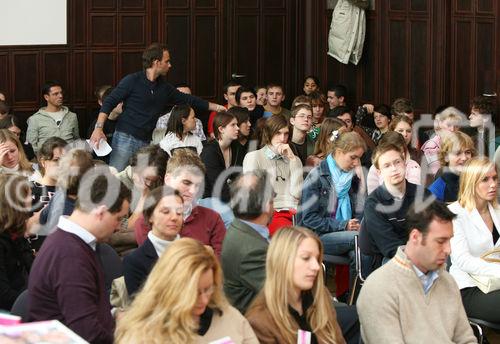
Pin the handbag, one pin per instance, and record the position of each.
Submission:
(488, 283)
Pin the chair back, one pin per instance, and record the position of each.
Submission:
(111, 263)
(20, 306)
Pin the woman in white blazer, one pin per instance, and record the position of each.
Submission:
(476, 231)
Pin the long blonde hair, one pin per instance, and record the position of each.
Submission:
(162, 311)
(475, 170)
(24, 164)
(279, 281)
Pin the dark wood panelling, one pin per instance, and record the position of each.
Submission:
(462, 82)
(102, 4)
(485, 56)
(246, 4)
(130, 61)
(464, 6)
(132, 29)
(78, 22)
(247, 44)
(420, 5)
(177, 38)
(56, 67)
(274, 4)
(132, 4)
(25, 77)
(205, 33)
(398, 59)
(486, 7)
(102, 68)
(173, 4)
(103, 29)
(397, 5)
(206, 4)
(79, 77)
(419, 64)
(4, 72)
(274, 49)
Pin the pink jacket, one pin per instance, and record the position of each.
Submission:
(374, 180)
(431, 150)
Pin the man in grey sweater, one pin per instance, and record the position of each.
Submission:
(412, 298)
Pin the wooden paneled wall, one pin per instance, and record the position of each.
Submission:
(432, 51)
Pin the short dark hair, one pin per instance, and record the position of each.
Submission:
(152, 53)
(485, 105)
(339, 111)
(420, 220)
(98, 191)
(154, 199)
(313, 77)
(4, 108)
(401, 106)
(241, 113)
(178, 113)
(153, 156)
(230, 83)
(102, 91)
(244, 89)
(250, 193)
(339, 90)
(384, 110)
(48, 85)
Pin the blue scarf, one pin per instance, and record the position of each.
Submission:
(342, 183)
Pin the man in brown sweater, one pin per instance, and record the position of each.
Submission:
(412, 298)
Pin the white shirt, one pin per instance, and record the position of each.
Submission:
(171, 141)
(160, 245)
(69, 226)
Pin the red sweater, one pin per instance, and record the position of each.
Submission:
(204, 225)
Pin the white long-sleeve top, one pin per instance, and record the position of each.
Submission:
(471, 239)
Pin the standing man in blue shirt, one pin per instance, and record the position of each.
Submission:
(145, 95)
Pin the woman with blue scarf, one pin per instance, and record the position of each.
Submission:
(327, 200)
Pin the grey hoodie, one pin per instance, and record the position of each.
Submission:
(42, 125)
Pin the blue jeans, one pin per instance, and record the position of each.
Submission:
(341, 244)
(124, 146)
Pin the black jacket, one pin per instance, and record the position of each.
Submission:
(137, 266)
(385, 229)
(16, 259)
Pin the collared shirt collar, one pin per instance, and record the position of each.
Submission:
(387, 196)
(262, 230)
(160, 245)
(427, 279)
(71, 227)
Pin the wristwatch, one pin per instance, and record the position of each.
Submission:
(99, 125)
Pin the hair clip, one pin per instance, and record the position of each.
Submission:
(334, 136)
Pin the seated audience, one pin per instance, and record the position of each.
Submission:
(53, 119)
(14, 125)
(382, 117)
(310, 84)
(412, 299)
(346, 114)
(66, 282)
(480, 119)
(244, 249)
(447, 121)
(386, 207)
(16, 255)
(301, 99)
(245, 97)
(179, 130)
(13, 158)
(185, 173)
(182, 302)
(220, 155)
(229, 91)
(412, 168)
(476, 231)
(286, 169)
(301, 121)
(331, 128)
(4, 109)
(162, 123)
(336, 96)
(294, 297)
(73, 166)
(319, 109)
(275, 96)
(109, 126)
(48, 162)
(240, 147)
(163, 214)
(261, 92)
(404, 125)
(457, 149)
(329, 197)
(403, 107)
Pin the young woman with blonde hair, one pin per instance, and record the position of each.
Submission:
(12, 157)
(331, 128)
(457, 149)
(476, 231)
(294, 296)
(182, 302)
(329, 196)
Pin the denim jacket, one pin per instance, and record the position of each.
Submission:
(319, 202)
